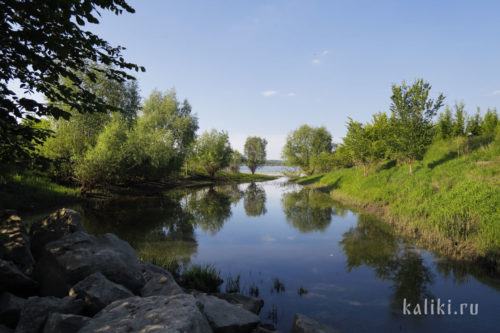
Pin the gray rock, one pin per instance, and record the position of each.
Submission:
(15, 281)
(36, 310)
(53, 227)
(225, 317)
(64, 323)
(261, 329)
(158, 282)
(251, 304)
(304, 324)
(148, 270)
(5, 329)
(10, 308)
(97, 292)
(170, 314)
(15, 243)
(75, 256)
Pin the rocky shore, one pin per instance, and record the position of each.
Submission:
(58, 278)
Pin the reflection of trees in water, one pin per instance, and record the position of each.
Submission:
(309, 210)
(371, 243)
(255, 200)
(461, 272)
(156, 227)
(233, 192)
(210, 209)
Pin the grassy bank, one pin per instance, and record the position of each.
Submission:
(450, 205)
(31, 191)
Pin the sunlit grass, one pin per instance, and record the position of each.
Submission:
(29, 190)
(452, 193)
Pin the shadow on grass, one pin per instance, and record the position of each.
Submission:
(331, 187)
(387, 165)
(310, 180)
(451, 155)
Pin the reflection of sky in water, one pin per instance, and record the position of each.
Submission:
(354, 271)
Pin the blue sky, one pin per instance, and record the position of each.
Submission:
(266, 67)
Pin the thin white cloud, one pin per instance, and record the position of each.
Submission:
(291, 94)
(268, 93)
(315, 61)
(325, 52)
(495, 93)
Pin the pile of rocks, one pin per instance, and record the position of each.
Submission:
(58, 278)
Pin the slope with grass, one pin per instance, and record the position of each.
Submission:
(450, 205)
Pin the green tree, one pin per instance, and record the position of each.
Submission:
(213, 151)
(490, 122)
(324, 162)
(342, 157)
(358, 142)
(162, 138)
(255, 152)
(474, 124)
(459, 120)
(40, 43)
(411, 119)
(72, 138)
(305, 143)
(236, 160)
(445, 125)
(105, 163)
(379, 132)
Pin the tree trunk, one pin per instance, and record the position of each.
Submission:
(411, 170)
(364, 171)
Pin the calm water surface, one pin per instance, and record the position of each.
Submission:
(304, 252)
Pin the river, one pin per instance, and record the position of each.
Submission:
(303, 252)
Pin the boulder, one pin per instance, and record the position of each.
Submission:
(97, 292)
(15, 281)
(15, 243)
(10, 308)
(5, 329)
(36, 310)
(149, 270)
(158, 282)
(65, 323)
(264, 329)
(225, 317)
(53, 227)
(251, 304)
(170, 314)
(304, 324)
(75, 256)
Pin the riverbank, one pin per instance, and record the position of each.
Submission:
(450, 205)
(55, 277)
(30, 191)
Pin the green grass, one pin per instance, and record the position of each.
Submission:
(29, 191)
(242, 177)
(205, 278)
(451, 201)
